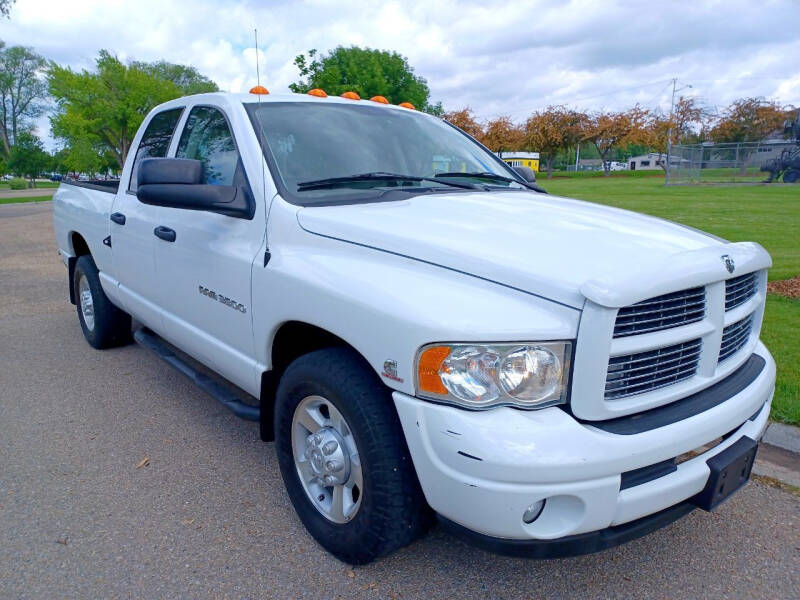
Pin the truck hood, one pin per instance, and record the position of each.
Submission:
(557, 248)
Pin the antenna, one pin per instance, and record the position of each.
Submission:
(258, 73)
(260, 133)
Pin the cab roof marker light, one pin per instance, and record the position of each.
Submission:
(351, 96)
(259, 90)
(318, 93)
(380, 99)
(407, 105)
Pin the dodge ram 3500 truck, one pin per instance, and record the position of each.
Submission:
(421, 331)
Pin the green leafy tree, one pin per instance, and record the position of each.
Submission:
(187, 78)
(106, 107)
(22, 92)
(5, 7)
(28, 157)
(367, 72)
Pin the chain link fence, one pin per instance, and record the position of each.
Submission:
(743, 162)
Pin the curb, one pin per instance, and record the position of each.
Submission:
(783, 436)
(779, 454)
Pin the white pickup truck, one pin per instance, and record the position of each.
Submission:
(421, 330)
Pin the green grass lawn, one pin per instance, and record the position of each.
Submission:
(25, 199)
(769, 215)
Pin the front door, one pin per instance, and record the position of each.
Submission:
(204, 274)
(131, 227)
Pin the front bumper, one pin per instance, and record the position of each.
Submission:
(481, 470)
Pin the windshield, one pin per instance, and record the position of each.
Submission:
(307, 142)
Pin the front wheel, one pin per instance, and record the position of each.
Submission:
(344, 459)
(791, 176)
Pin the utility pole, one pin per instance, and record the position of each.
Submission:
(669, 129)
(577, 156)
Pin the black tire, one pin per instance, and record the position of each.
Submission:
(112, 326)
(393, 511)
(791, 176)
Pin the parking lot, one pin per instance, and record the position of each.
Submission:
(84, 515)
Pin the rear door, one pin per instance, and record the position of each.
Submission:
(132, 223)
(204, 275)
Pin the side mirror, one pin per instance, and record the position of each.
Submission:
(176, 183)
(527, 173)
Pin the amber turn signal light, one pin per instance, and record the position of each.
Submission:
(428, 365)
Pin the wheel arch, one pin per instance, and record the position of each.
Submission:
(293, 339)
(78, 247)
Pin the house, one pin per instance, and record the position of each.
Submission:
(647, 162)
(521, 159)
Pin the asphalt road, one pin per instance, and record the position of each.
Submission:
(208, 517)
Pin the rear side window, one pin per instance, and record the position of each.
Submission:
(207, 138)
(155, 141)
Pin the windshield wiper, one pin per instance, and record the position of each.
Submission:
(493, 177)
(378, 176)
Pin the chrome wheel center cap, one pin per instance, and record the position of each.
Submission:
(326, 454)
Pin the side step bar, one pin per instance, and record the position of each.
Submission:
(228, 399)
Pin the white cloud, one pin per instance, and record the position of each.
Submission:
(497, 57)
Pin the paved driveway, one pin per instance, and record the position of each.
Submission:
(209, 517)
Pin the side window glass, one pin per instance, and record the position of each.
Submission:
(207, 138)
(155, 141)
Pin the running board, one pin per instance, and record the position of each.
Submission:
(220, 393)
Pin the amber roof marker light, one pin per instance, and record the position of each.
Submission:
(351, 96)
(318, 93)
(407, 105)
(380, 99)
(259, 90)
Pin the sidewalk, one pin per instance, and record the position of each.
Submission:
(27, 193)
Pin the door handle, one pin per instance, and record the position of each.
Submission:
(165, 233)
(118, 218)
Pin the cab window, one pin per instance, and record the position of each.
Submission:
(156, 139)
(207, 138)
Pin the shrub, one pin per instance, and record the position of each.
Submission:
(18, 184)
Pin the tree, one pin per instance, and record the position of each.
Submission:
(749, 120)
(367, 72)
(610, 130)
(551, 130)
(465, 120)
(688, 121)
(28, 157)
(22, 92)
(106, 107)
(5, 7)
(502, 135)
(187, 78)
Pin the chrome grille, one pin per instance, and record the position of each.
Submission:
(739, 290)
(645, 371)
(662, 312)
(734, 337)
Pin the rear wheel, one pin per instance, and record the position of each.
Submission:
(103, 324)
(344, 459)
(791, 176)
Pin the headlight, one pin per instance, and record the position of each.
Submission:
(531, 375)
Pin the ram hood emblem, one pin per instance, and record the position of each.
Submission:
(728, 261)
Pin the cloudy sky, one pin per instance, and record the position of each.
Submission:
(509, 57)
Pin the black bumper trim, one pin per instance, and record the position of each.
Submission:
(687, 407)
(572, 545)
